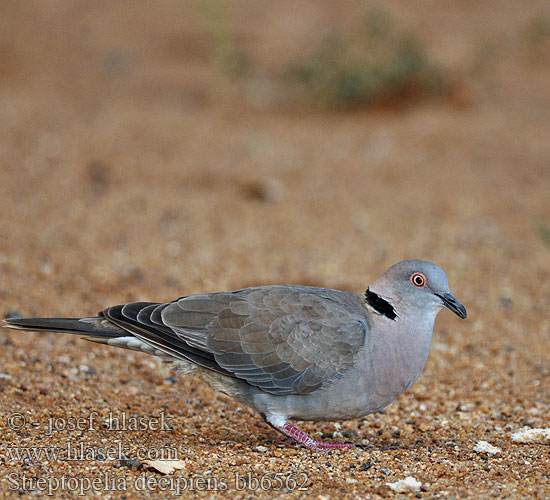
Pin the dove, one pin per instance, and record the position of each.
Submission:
(289, 352)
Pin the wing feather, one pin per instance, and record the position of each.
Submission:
(282, 339)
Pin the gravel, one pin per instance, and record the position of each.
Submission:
(131, 169)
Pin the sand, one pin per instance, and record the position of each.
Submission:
(132, 169)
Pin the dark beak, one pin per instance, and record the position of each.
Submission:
(454, 305)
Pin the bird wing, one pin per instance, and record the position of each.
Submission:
(282, 339)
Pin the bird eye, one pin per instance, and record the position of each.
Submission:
(419, 280)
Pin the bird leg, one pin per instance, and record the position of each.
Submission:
(281, 424)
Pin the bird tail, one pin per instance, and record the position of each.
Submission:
(95, 327)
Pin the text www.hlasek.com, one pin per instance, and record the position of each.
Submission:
(76, 452)
(144, 482)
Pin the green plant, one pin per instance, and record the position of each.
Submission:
(227, 58)
(374, 65)
(543, 231)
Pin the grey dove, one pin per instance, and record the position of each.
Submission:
(288, 351)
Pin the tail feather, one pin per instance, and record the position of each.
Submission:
(97, 327)
(129, 335)
(98, 330)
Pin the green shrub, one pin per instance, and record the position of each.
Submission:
(373, 65)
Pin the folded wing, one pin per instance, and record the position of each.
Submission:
(282, 339)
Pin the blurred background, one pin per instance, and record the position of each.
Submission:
(183, 146)
(154, 149)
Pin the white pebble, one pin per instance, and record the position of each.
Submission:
(541, 436)
(485, 447)
(409, 484)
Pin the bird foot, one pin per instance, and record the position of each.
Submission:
(301, 437)
(334, 444)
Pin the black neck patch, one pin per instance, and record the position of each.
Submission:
(380, 305)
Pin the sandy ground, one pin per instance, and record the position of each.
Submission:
(131, 169)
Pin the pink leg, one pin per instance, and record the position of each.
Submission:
(301, 437)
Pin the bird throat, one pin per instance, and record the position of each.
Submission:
(380, 305)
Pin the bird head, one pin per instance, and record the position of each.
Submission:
(416, 284)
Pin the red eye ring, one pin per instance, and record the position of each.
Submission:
(419, 280)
